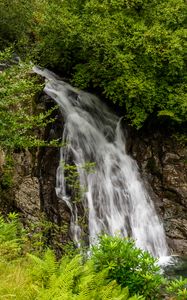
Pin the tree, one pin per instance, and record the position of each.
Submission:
(132, 51)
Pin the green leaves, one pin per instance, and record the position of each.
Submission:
(115, 269)
(15, 19)
(178, 287)
(21, 123)
(132, 51)
(128, 265)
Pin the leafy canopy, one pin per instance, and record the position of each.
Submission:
(131, 51)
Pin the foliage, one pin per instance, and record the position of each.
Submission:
(70, 279)
(76, 188)
(30, 276)
(72, 178)
(10, 237)
(15, 21)
(131, 51)
(20, 125)
(6, 179)
(128, 265)
(43, 233)
(178, 287)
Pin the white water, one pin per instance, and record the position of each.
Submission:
(115, 196)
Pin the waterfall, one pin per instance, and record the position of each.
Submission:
(115, 197)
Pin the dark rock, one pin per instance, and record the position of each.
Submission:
(162, 161)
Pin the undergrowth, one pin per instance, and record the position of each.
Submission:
(105, 274)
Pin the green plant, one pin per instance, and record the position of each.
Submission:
(20, 124)
(132, 52)
(7, 174)
(11, 234)
(43, 233)
(128, 265)
(178, 288)
(71, 279)
(72, 178)
(41, 276)
(115, 270)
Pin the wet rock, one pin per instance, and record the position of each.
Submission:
(179, 246)
(163, 162)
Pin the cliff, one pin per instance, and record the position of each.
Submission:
(161, 158)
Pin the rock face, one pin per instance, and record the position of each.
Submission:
(161, 158)
(26, 184)
(27, 197)
(163, 162)
(48, 161)
(19, 185)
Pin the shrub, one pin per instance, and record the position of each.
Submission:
(115, 268)
(178, 287)
(28, 276)
(10, 237)
(133, 52)
(128, 265)
(20, 122)
(15, 16)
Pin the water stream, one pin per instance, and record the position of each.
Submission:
(115, 197)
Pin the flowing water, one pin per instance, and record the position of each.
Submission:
(115, 197)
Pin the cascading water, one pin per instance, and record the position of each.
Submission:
(115, 197)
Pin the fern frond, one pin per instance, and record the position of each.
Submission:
(43, 269)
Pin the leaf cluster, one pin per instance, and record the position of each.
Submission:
(115, 269)
(20, 123)
(41, 276)
(128, 265)
(133, 52)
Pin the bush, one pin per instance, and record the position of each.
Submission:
(178, 287)
(128, 265)
(71, 279)
(115, 268)
(20, 121)
(133, 52)
(10, 237)
(25, 276)
(16, 17)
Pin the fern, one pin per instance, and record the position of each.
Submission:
(30, 277)
(10, 237)
(43, 269)
(73, 280)
(62, 282)
(8, 230)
